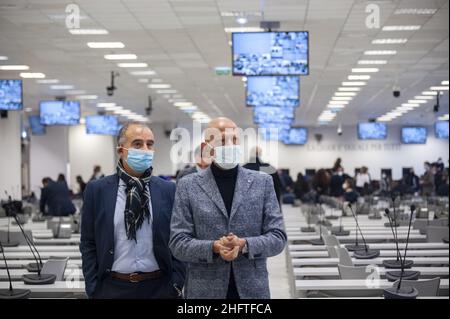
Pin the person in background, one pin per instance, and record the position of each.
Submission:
(81, 185)
(125, 226)
(443, 189)
(411, 182)
(427, 180)
(301, 187)
(256, 164)
(385, 184)
(62, 179)
(201, 163)
(55, 199)
(363, 181)
(336, 182)
(321, 182)
(97, 174)
(350, 195)
(438, 169)
(286, 181)
(338, 165)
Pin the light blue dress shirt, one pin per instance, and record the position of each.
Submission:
(131, 256)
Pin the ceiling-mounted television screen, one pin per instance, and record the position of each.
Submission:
(11, 95)
(273, 131)
(270, 114)
(372, 131)
(60, 112)
(414, 135)
(441, 129)
(273, 91)
(270, 53)
(296, 136)
(102, 125)
(35, 124)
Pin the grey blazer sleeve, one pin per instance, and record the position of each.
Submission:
(183, 244)
(273, 238)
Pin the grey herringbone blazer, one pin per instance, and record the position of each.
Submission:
(199, 217)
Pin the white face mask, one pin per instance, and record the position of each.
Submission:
(228, 156)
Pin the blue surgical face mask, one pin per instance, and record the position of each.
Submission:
(228, 156)
(139, 160)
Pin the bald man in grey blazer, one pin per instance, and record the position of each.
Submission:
(226, 222)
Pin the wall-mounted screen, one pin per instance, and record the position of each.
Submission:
(441, 129)
(60, 112)
(11, 95)
(102, 124)
(35, 124)
(414, 135)
(273, 91)
(270, 53)
(274, 132)
(372, 131)
(266, 114)
(296, 136)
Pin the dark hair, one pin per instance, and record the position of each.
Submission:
(61, 177)
(46, 180)
(124, 128)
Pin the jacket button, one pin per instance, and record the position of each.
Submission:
(111, 251)
(108, 270)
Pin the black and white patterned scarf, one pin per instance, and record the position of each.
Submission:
(138, 197)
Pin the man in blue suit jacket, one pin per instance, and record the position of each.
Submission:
(125, 227)
(56, 197)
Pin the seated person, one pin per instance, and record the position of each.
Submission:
(56, 197)
(350, 195)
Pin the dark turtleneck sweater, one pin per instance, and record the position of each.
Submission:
(226, 182)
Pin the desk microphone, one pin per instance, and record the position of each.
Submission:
(364, 253)
(11, 293)
(319, 241)
(356, 246)
(7, 207)
(308, 229)
(402, 274)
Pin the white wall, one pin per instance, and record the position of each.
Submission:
(355, 153)
(86, 151)
(162, 164)
(48, 156)
(10, 156)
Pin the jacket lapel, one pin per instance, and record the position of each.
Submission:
(110, 203)
(155, 198)
(208, 184)
(243, 183)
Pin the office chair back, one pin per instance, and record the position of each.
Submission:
(426, 287)
(436, 233)
(352, 272)
(332, 252)
(331, 240)
(344, 257)
(55, 267)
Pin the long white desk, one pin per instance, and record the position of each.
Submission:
(57, 241)
(44, 255)
(383, 253)
(322, 262)
(16, 274)
(17, 264)
(381, 246)
(369, 238)
(59, 287)
(59, 248)
(324, 272)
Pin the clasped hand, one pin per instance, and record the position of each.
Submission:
(229, 246)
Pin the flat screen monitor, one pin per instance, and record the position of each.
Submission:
(11, 95)
(414, 135)
(281, 91)
(274, 132)
(297, 136)
(35, 124)
(270, 53)
(441, 129)
(102, 125)
(60, 112)
(372, 131)
(270, 114)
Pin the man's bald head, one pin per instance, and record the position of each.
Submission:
(221, 131)
(222, 123)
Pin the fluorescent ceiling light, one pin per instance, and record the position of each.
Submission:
(342, 98)
(86, 97)
(3, 58)
(389, 41)
(132, 65)
(336, 106)
(417, 101)
(143, 80)
(166, 91)
(401, 28)
(75, 92)
(337, 102)
(439, 88)
(434, 93)
(105, 104)
(146, 72)
(373, 62)
(380, 52)
(415, 11)
(88, 31)
(355, 83)
(242, 20)
(349, 89)
(14, 67)
(47, 81)
(243, 29)
(159, 86)
(365, 70)
(120, 56)
(345, 94)
(105, 45)
(61, 87)
(182, 104)
(358, 77)
(384, 119)
(444, 83)
(423, 97)
(32, 75)
(411, 104)
(404, 108)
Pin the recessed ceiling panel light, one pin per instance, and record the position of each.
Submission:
(401, 28)
(14, 67)
(415, 11)
(146, 72)
(372, 62)
(355, 83)
(132, 65)
(3, 58)
(88, 31)
(433, 93)
(342, 98)
(358, 77)
(87, 97)
(106, 104)
(47, 81)
(120, 56)
(439, 88)
(159, 86)
(380, 52)
(243, 29)
(32, 75)
(444, 83)
(345, 94)
(338, 102)
(61, 87)
(349, 89)
(389, 41)
(105, 45)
